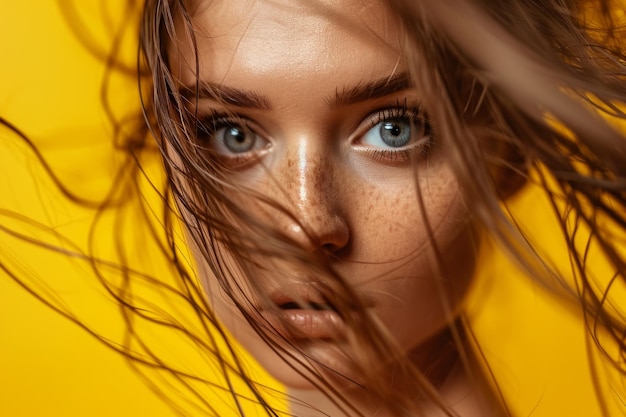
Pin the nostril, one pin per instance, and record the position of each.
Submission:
(336, 236)
(332, 249)
(325, 236)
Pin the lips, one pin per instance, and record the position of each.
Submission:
(310, 299)
(309, 316)
(292, 305)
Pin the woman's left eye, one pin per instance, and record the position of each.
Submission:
(395, 131)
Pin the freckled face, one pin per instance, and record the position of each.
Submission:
(299, 127)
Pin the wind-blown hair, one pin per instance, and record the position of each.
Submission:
(550, 77)
(518, 91)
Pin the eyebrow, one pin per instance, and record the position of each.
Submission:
(251, 99)
(371, 90)
(227, 95)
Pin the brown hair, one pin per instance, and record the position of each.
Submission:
(512, 87)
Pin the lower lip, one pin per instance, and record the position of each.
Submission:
(307, 324)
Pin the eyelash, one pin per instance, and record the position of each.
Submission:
(208, 125)
(396, 156)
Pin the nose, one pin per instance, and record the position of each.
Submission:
(308, 179)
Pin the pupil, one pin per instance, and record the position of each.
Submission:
(393, 129)
(237, 135)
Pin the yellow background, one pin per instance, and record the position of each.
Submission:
(50, 88)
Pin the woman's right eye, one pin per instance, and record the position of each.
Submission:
(235, 139)
(232, 139)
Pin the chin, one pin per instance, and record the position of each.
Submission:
(302, 368)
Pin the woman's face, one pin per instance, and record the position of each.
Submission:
(318, 115)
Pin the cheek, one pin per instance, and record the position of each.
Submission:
(391, 215)
(413, 259)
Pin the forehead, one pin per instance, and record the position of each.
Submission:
(286, 39)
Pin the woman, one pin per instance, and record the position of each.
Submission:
(371, 178)
(337, 177)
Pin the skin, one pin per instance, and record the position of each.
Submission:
(355, 201)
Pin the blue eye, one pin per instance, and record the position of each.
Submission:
(234, 139)
(395, 132)
(394, 129)
(231, 138)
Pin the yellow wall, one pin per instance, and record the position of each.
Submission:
(51, 367)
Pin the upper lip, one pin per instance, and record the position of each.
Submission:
(305, 296)
(312, 296)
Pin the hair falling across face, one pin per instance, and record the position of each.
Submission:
(325, 162)
(306, 115)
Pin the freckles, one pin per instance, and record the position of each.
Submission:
(384, 211)
(307, 179)
(371, 195)
(395, 212)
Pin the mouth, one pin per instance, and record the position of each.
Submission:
(307, 298)
(309, 305)
(308, 317)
